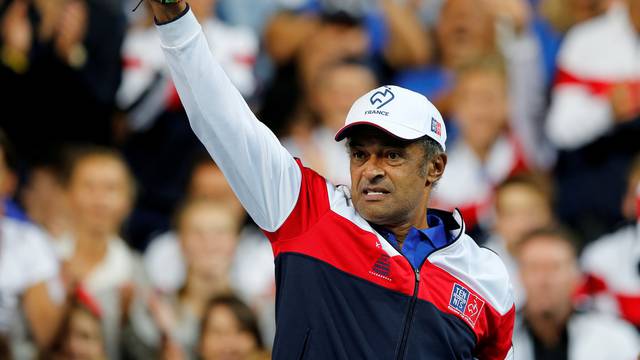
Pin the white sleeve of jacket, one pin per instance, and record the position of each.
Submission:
(264, 176)
(576, 117)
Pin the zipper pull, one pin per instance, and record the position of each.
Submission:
(417, 275)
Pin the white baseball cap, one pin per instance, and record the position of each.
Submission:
(400, 112)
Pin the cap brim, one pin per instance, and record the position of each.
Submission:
(399, 131)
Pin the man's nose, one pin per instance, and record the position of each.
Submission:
(373, 171)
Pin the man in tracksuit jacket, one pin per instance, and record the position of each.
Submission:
(366, 273)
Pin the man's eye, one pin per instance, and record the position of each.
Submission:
(393, 156)
(358, 155)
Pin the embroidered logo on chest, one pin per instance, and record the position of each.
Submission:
(382, 268)
(465, 303)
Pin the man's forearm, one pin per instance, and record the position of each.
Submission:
(263, 174)
(167, 12)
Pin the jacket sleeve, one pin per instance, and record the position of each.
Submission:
(499, 345)
(264, 176)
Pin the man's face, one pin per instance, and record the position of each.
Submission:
(481, 107)
(208, 237)
(223, 338)
(337, 89)
(388, 177)
(208, 182)
(549, 273)
(519, 210)
(464, 31)
(99, 194)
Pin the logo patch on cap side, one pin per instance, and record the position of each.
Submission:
(466, 304)
(436, 127)
(382, 98)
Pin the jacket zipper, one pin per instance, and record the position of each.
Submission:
(409, 317)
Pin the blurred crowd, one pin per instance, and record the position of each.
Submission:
(121, 239)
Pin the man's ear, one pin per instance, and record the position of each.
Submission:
(436, 168)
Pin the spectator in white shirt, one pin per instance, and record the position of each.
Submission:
(612, 262)
(486, 152)
(548, 326)
(594, 117)
(29, 282)
(100, 191)
(208, 236)
(147, 90)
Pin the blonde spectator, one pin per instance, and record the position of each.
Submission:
(487, 151)
(208, 236)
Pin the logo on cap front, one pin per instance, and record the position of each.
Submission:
(382, 98)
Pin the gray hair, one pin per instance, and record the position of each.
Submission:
(431, 150)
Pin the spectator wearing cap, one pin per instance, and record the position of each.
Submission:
(549, 327)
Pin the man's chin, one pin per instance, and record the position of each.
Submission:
(376, 213)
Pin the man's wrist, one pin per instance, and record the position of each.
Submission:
(166, 11)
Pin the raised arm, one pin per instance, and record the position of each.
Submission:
(264, 176)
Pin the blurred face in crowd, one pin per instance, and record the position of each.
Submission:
(519, 210)
(208, 235)
(337, 88)
(44, 200)
(84, 339)
(223, 337)
(480, 107)
(99, 194)
(549, 273)
(630, 201)
(208, 182)
(390, 179)
(464, 31)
